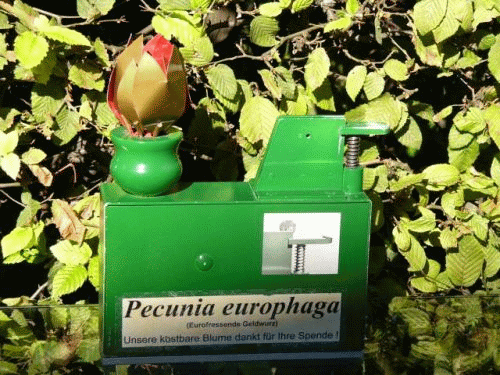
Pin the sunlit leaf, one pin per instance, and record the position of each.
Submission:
(355, 81)
(263, 31)
(465, 266)
(68, 279)
(71, 253)
(428, 14)
(221, 78)
(373, 86)
(30, 49)
(396, 69)
(317, 68)
(257, 119)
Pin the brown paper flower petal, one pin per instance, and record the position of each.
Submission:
(124, 94)
(130, 54)
(153, 103)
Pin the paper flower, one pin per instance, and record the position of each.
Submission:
(148, 85)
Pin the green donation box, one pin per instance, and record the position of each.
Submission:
(271, 269)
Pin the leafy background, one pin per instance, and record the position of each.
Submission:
(429, 69)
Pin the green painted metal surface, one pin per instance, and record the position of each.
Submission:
(206, 239)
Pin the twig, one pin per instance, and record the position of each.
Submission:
(69, 165)
(39, 290)
(9, 185)
(58, 17)
(12, 199)
(265, 56)
(399, 47)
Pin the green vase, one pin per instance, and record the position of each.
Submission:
(146, 166)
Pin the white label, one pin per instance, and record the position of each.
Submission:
(230, 320)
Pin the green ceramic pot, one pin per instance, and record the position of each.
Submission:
(146, 166)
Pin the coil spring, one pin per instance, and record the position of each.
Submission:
(299, 258)
(352, 154)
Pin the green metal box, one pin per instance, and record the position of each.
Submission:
(271, 269)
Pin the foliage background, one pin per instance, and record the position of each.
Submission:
(428, 69)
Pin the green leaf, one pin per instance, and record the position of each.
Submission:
(352, 6)
(441, 115)
(448, 238)
(19, 239)
(450, 201)
(486, 42)
(458, 140)
(464, 267)
(175, 4)
(384, 110)
(285, 81)
(300, 5)
(31, 207)
(464, 158)
(257, 119)
(472, 122)
(91, 9)
(68, 125)
(30, 49)
(415, 256)
(270, 9)
(468, 60)
(179, 25)
(270, 83)
(492, 117)
(397, 70)
(68, 279)
(428, 14)
(355, 81)
(492, 259)
(402, 237)
(479, 226)
(439, 176)
(94, 271)
(323, 96)
(495, 169)
(221, 78)
(42, 72)
(46, 100)
(424, 223)
(494, 59)
(101, 52)
(427, 283)
(200, 4)
(317, 68)
(70, 253)
(33, 156)
(8, 142)
(88, 350)
(11, 164)
(342, 23)
(7, 118)
(405, 182)
(374, 85)
(263, 31)
(410, 135)
(199, 53)
(296, 107)
(8, 368)
(86, 76)
(62, 34)
(447, 28)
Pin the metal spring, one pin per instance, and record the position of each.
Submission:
(299, 258)
(352, 154)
